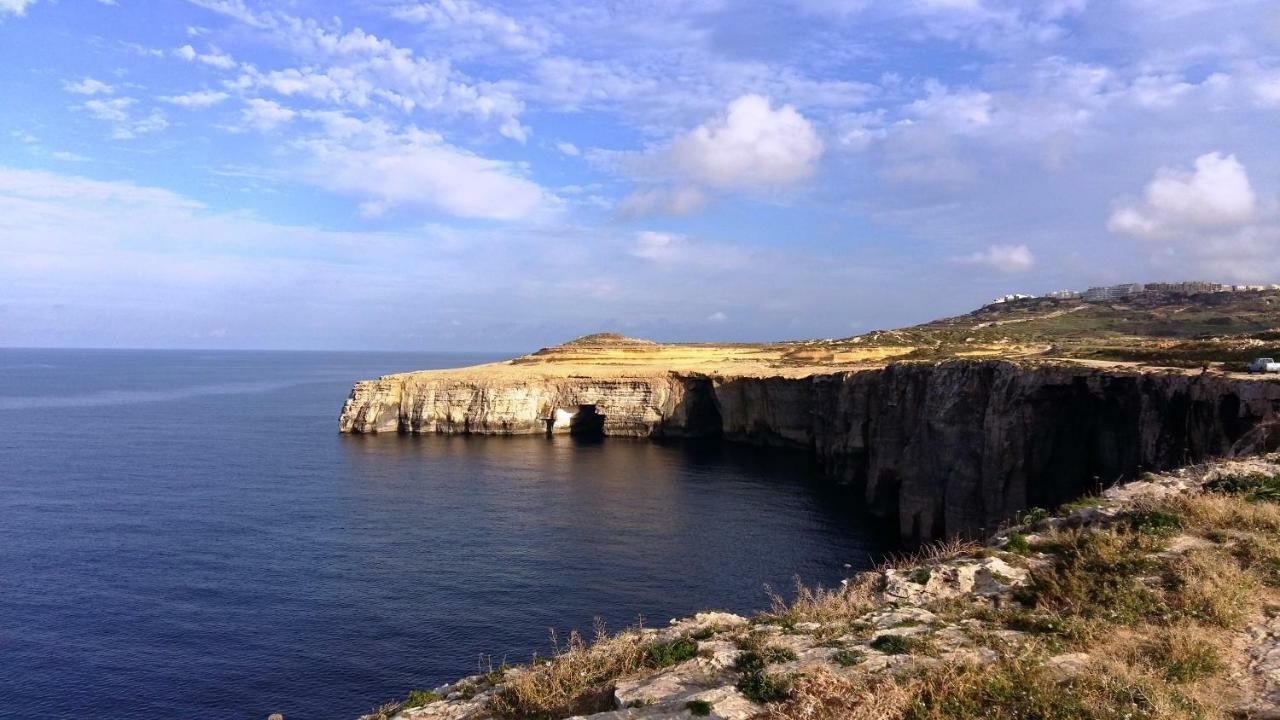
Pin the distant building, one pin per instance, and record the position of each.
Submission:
(1187, 288)
(1112, 292)
(1063, 294)
(1010, 298)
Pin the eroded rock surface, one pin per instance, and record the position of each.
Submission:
(938, 449)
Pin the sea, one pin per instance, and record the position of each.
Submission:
(185, 534)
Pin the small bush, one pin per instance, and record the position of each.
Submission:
(698, 708)
(705, 633)
(848, 657)
(1155, 522)
(661, 655)
(899, 644)
(755, 660)
(921, 576)
(1254, 487)
(418, 698)
(1034, 515)
(759, 686)
(1096, 576)
(1017, 543)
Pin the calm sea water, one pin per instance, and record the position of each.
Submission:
(186, 535)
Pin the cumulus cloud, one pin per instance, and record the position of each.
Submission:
(124, 124)
(1208, 219)
(213, 58)
(753, 145)
(15, 7)
(88, 86)
(265, 115)
(1005, 258)
(415, 170)
(658, 246)
(471, 22)
(1216, 193)
(200, 99)
(664, 201)
(568, 148)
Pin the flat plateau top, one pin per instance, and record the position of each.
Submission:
(1189, 333)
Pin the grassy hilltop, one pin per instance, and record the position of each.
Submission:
(1151, 328)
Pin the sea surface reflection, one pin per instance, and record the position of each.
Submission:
(186, 535)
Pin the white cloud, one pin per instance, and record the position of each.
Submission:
(265, 115)
(15, 7)
(474, 23)
(665, 201)
(568, 148)
(88, 86)
(752, 145)
(717, 317)
(68, 156)
(658, 246)
(416, 170)
(1267, 90)
(357, 69)
(960, 112)
(118, 112)
(114, 110)
(213, 58)
(1005, 258)
(1205, 220)
(200, 99)
(1216, 193)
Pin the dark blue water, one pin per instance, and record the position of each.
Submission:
(186, 535)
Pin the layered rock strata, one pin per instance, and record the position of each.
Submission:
(937, 449)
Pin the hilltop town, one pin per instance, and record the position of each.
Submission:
(1108, 293)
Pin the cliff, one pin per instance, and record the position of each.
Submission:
(937, 448)
(1156, 599)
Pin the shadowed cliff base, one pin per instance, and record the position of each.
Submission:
(944, 429)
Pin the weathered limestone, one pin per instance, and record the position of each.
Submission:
(985, 578)
(938, 449)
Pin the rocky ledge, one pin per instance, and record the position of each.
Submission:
(1156, 599)
(938, 449)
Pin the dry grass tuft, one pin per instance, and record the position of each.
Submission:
(1209, 585)
(1217, 512)
(824, 695)
(933, 553)
(818, 604)
(576, 679)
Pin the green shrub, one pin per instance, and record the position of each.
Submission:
(848, 657)
(899, 644)
(1034, 515)
(418, 698)
(755, 660)
(1255, 487)
(1096, 576)
(698, 708)
(1017, 543)
(762, 687)
(921, 575)
(1155, 522)
(666, 654)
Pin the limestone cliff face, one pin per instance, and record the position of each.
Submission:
(938, 449)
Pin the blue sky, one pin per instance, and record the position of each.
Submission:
(400, 174)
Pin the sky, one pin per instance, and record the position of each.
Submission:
(480, 175)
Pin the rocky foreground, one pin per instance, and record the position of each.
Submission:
(1156, 599)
